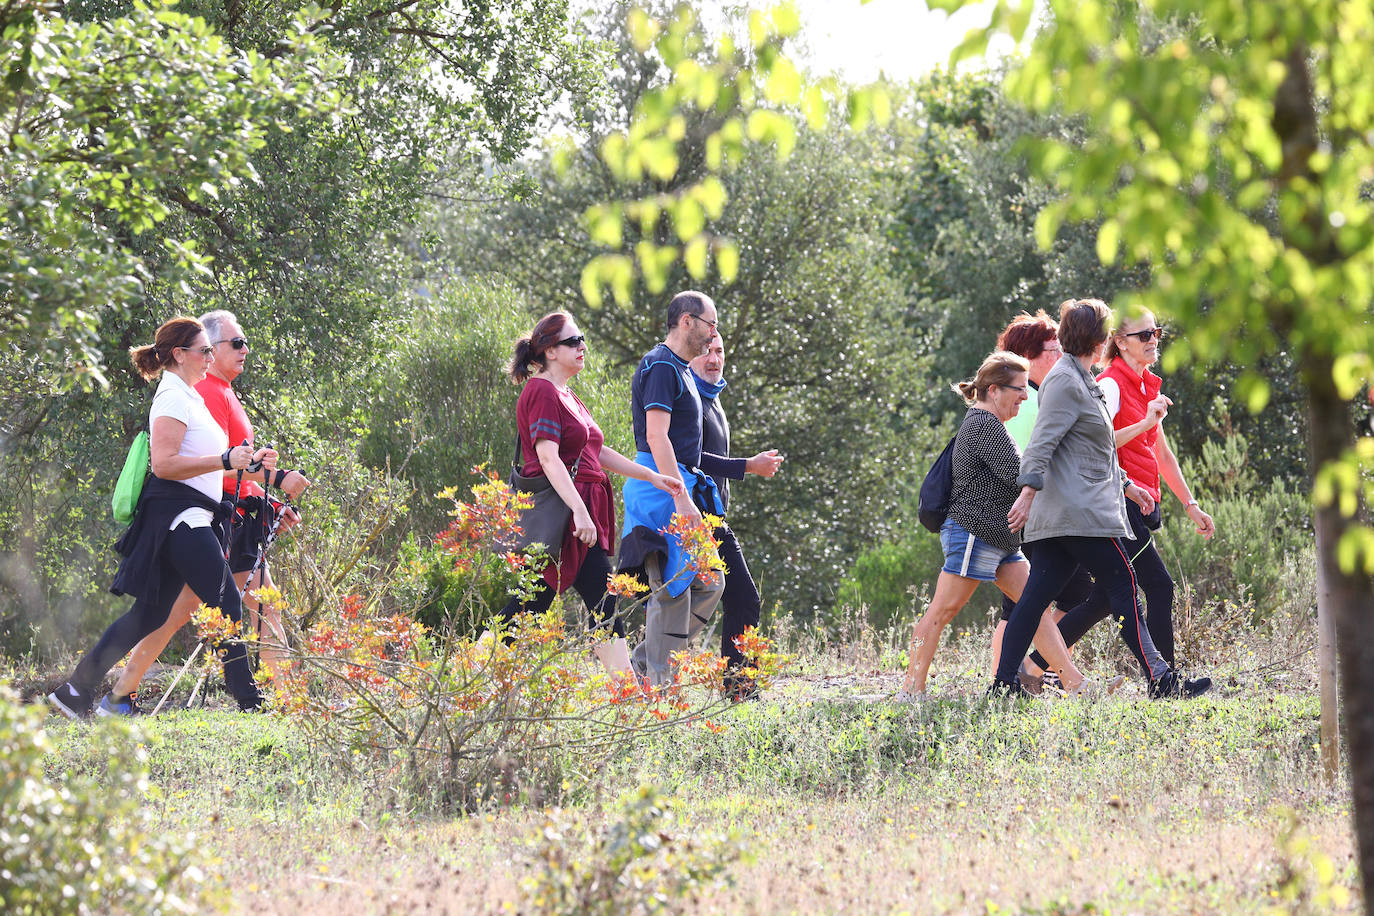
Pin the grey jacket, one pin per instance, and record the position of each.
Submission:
(1071, 460)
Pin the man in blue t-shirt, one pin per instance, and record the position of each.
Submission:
(666, 410)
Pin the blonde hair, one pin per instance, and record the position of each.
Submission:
(999, 368)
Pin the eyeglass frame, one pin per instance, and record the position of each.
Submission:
(206, 352)
(1145, 335)
(713, 325)
(577, 340)
(238, 343)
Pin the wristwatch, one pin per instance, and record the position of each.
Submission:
(224, 459)
(1190, 504)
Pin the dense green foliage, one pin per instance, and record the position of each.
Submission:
(84, 842)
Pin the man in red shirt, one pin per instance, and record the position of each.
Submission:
(231, 354)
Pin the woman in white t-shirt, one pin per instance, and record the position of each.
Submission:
(175, 537)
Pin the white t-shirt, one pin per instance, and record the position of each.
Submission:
(1112, 392)
(181, 402)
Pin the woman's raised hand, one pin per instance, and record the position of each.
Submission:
(1020, 510)
(267, 457)
(668, 484)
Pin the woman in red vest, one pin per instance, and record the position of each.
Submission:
(1138, 409)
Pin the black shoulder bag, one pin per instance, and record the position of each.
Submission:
(545, 522)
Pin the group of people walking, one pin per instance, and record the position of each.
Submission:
(1056, 484)
(1074, 501)
(682, 466)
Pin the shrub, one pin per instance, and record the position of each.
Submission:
(640, 860)
(513, 715)
(84, 843)
(1261, 529)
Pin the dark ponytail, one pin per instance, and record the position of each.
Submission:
(175, 332)
(529, 350)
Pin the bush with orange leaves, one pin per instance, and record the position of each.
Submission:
(517, 713)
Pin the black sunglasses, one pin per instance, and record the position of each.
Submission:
(579, 340)
(238, 343)
(1146, 335)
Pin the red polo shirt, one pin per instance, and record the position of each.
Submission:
(228, 412)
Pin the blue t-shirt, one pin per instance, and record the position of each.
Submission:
(663, 381)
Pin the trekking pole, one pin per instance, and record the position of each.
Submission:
(177, 680)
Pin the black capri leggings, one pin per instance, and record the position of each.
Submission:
(1154, 580)
(590, 584)
(190, 556)
(1055, 559)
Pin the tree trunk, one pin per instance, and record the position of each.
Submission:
(1352, 613)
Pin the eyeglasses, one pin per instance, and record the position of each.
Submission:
(712, 324)
(1146, 335)
(1013, 387)
(579, 340)
(238, 343)
(1051, 350)
(207, 352)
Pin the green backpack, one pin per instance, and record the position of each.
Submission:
(127, 489)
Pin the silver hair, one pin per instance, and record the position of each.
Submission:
(214, 320)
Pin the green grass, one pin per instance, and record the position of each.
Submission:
(846, 804)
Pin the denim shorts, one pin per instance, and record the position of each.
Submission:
(972, 557)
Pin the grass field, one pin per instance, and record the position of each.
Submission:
(824, 797)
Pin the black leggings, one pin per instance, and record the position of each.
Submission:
(1154, 580)
(740, 601)
(590, 583)
(1074, 593)
(190, 556)
(1055, 559)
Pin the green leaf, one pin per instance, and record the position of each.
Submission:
(727, 260)
(1108, 241)
(694, 258)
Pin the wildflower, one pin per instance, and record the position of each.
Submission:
(625, 585)
(698, 541)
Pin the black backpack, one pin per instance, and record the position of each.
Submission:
(933, 507)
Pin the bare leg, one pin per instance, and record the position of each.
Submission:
(1011, 579)
(996, 646)
(151, 646)
(951, 594)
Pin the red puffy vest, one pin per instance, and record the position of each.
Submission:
(1137, 457)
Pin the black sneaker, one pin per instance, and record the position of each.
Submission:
(70, 702)
(1001, 690)
(1171, 686)
(741, 689)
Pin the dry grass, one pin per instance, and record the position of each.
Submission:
(845, 803)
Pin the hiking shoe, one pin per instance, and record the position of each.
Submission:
(908, 697)
(1196, 686)
(1033, 684)
(125, 706)
(70, 702)
(1171, 686)
(1050, 681)
(1000, 690)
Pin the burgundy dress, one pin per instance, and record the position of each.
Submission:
(545, 412)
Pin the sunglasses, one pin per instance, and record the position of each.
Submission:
(238, 343)
(207, 352)
(1146, 335)
(579, 340)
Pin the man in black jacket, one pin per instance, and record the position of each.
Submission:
(740, 600)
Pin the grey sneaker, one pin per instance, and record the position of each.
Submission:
(909, 698)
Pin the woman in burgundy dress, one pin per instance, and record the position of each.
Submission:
(557, 433)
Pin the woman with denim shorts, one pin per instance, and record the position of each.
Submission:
(978, 544)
